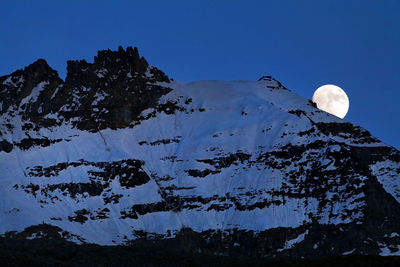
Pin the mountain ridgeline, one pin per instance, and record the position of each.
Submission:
(120, 154)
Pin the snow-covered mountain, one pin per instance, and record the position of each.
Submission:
(120, 152)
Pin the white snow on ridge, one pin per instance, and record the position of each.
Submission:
(32, 97)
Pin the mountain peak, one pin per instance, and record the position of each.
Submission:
(113, 64)
(265, 78)
(247, 165)
(25, 85)
(121, 58)
(121, 53)
(38, 71)
(271, 82)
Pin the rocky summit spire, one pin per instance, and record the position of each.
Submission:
(111, 92)
(113, 63)
(122, 59)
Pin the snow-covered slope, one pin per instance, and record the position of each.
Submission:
(119, 152)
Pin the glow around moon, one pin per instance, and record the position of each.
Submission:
(332, 99)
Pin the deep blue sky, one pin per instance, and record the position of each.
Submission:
(303, 44)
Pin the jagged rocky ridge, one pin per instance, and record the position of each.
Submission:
(118, 153)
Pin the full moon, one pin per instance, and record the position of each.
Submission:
(332, 99)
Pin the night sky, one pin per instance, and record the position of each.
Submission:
(303, 44)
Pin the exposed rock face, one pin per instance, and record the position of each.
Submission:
(233, 168)
(111, 92)
(32, 80)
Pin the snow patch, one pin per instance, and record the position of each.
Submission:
(392, 250)
(32, 97)
(349, 252)
(292, 242)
